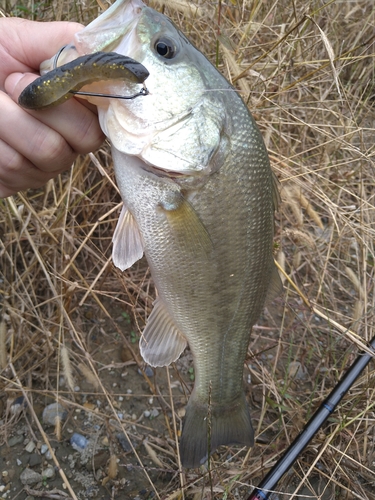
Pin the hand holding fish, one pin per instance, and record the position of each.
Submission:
(35, 147)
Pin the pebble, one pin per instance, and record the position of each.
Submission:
(30, 447)
(29, 476)
(18, 404)
(124, 442)
(78, 441)
(48, 473)
(296, 370)
(34, 460)
(19, 462)
(13, 441)
(52, 411)
(147, 413)
(148, 371)
(154, 413)
(43, 449)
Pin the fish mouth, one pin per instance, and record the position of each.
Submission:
(112, 30)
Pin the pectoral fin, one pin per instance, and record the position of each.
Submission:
(161, 343)
(186, 225)
(127, 241)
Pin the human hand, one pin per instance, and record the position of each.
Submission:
(36, 146)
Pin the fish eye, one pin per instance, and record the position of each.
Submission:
(165, 47)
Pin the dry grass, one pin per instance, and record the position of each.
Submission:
(306, 70)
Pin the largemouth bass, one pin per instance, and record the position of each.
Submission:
(199, 199)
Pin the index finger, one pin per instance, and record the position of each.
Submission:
(28, 43)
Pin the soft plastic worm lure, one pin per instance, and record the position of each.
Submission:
(64, 81)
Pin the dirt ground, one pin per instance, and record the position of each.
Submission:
(130, 439)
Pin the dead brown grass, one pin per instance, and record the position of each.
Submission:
(306, 69)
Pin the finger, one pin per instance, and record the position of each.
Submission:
(31, 42)
(17, 173)
(34, 140)
(73, 121)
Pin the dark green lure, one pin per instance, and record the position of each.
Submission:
(61, 83)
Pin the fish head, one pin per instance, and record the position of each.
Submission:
(179, 126)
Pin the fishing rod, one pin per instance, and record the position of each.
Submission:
(268, 484)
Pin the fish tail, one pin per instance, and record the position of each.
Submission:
(205, 428)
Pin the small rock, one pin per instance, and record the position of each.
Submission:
(296, 370)
(18, 404)
(147, 413)
(52, 411)
(48, 473)
(19, 462)
(124, 442)
(148, 371)
(29, 476)
(13, 441)
(34, 460)
(30, 447)
(154, 413)
(78, 441)
(43, 449)
(5, 476)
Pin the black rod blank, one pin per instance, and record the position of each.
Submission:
(268, 484)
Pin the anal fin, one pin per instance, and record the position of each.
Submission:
(127, 241)
(161, 343)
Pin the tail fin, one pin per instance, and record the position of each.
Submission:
(207, 428)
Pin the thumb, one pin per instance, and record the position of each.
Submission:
(16, 82)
